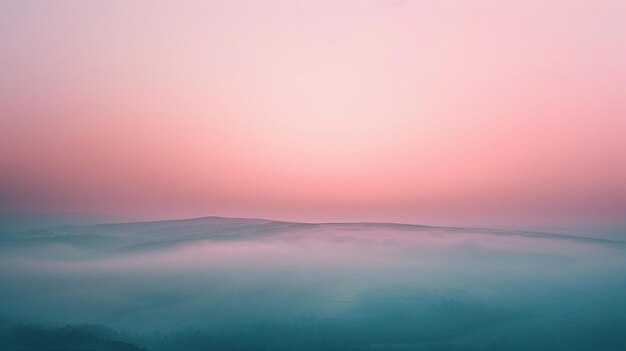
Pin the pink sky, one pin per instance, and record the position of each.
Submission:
(437, 112)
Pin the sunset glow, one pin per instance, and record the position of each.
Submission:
(440, 112)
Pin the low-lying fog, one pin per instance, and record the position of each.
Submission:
(233, 284)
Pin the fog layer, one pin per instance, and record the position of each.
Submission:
(239, 284)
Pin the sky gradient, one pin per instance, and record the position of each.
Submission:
(436, 112)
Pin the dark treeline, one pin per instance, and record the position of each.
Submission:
(307, 334)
